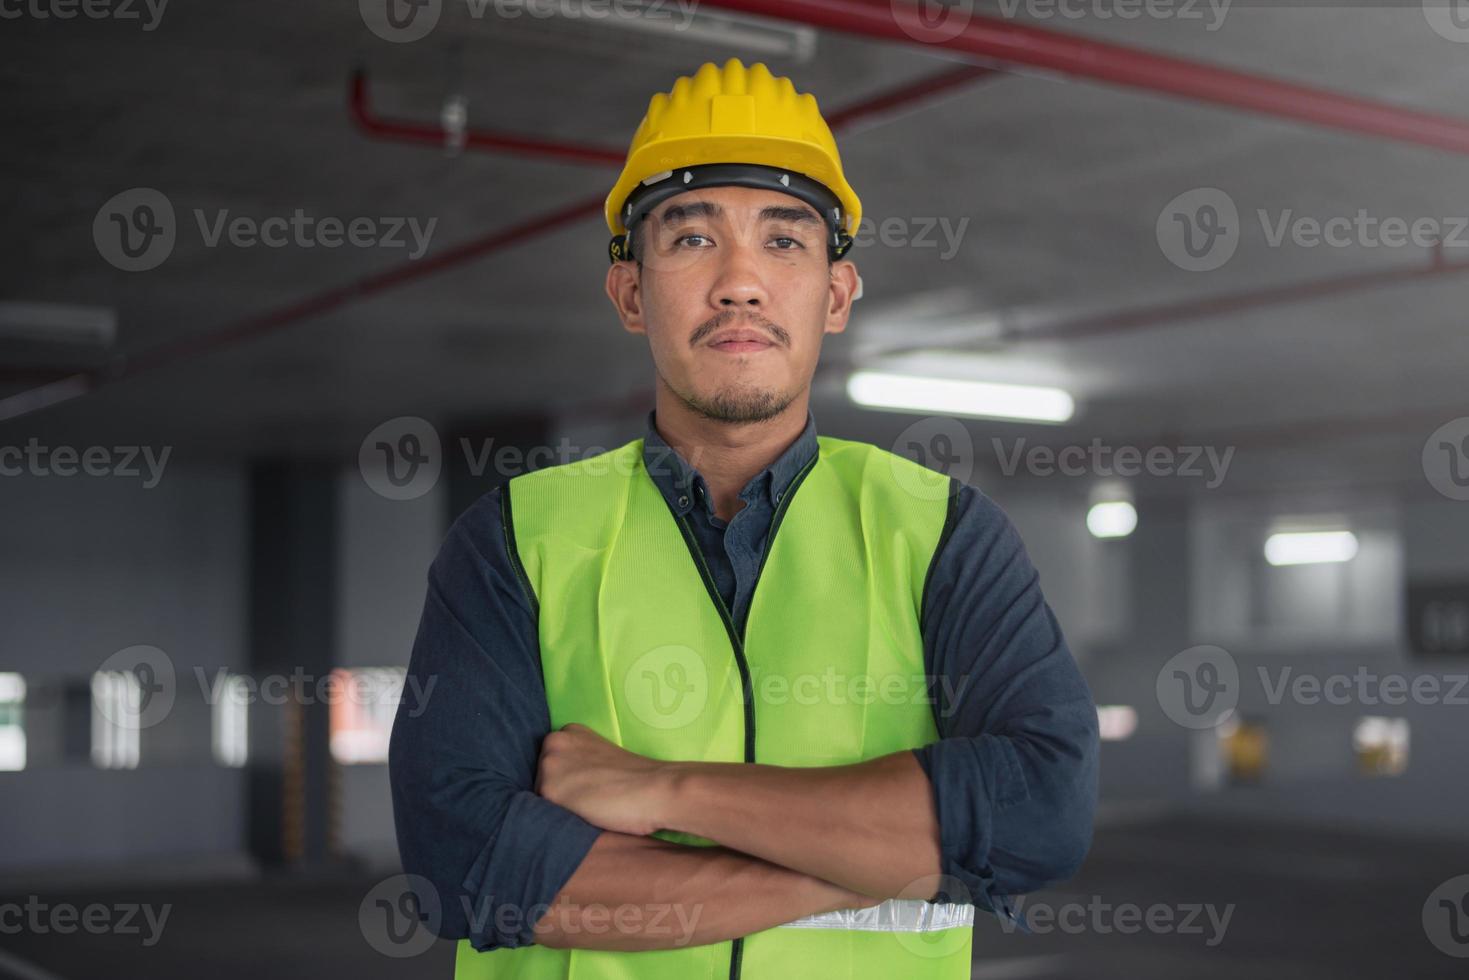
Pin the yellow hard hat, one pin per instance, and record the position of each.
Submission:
(732, 126)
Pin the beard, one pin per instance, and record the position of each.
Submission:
(737, 404)
(740, 402)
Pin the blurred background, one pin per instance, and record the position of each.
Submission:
(1181, 285)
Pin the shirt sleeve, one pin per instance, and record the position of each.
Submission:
(1014, 773)
(462, 757)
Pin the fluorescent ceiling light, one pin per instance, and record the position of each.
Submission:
(1310, 547)
(12, 688)
(1116, 722)
(1111, 519)
(58, 323)
(952, 396)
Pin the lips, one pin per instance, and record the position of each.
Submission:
(741, 341)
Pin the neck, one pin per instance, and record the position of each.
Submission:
(727, 454)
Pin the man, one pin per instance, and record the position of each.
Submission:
(735, 700)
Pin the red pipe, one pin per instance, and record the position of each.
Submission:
(363, 288)
(163, 355)
(1139, 318)
(903, 95)
(496, 140)
(82, 382)
(1166, 314)
(1010, 43)
(475, 139)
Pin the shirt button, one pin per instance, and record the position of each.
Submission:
(778, 495)
(683, 500)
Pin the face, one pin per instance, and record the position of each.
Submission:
(734, 294)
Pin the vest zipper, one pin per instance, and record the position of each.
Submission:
(737, 636)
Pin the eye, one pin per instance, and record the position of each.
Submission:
(786, 238)
(683, 238)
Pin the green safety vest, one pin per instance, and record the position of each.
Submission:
(636, 644)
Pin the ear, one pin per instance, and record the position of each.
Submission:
(842, 291)
(625, 289)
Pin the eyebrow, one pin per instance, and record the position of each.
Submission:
(709, 209)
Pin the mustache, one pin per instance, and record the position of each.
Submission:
(721, 320)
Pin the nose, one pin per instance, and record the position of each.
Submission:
(738, 285)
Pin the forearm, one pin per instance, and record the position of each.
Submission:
(869, 827)
(635, 893)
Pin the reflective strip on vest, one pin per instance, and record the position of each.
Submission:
(893, 915)
(636, 644)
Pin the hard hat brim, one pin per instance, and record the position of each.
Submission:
(661, 157)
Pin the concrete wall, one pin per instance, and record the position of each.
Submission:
(1195, 576)
(385, 548)
(92, 565)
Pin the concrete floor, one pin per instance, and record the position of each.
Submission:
(1301, 904)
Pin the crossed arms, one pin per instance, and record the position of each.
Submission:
(794, 841)
(530, 835)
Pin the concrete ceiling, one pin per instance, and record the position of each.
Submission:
(243, 107)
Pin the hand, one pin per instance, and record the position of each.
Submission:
(604, 784)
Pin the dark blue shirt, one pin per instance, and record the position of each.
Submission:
(1013, 774)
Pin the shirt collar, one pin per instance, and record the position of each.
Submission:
(684, 487)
